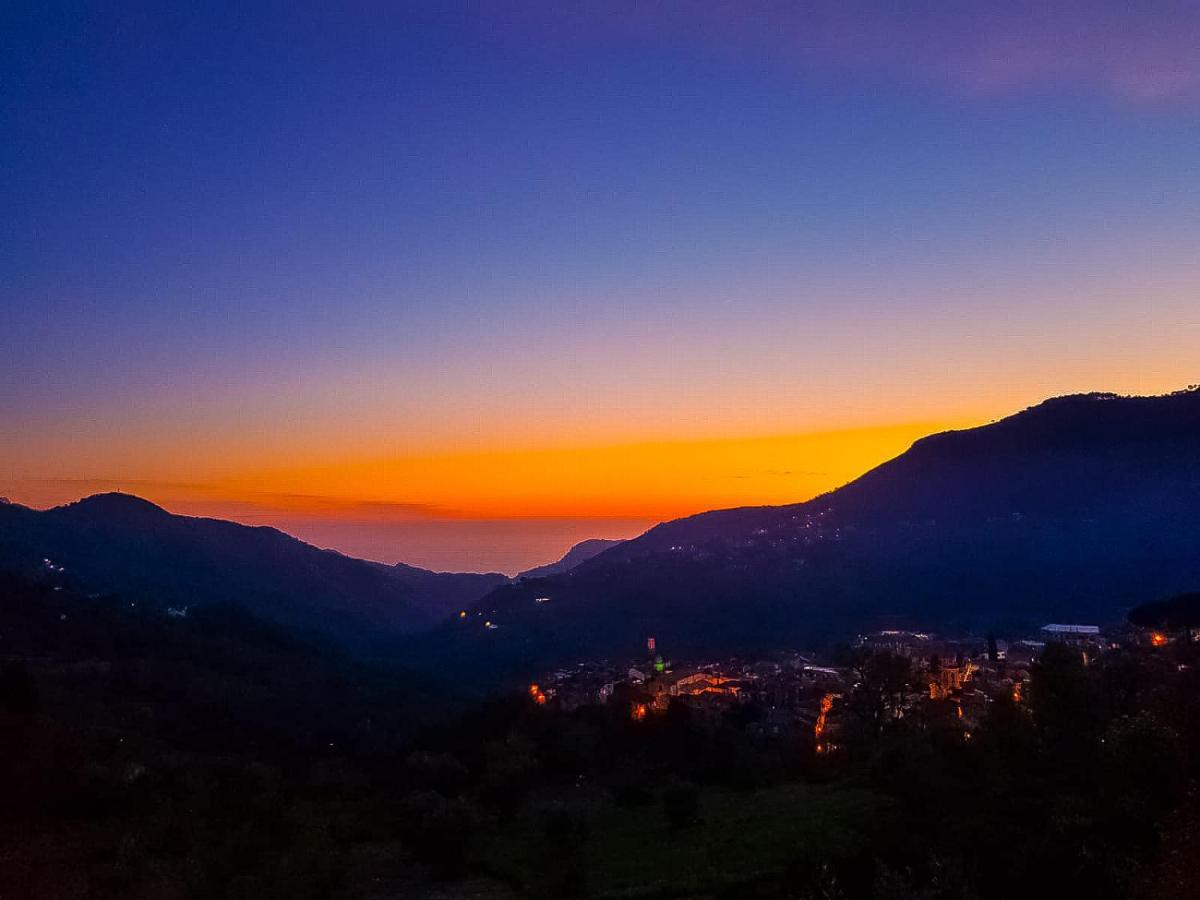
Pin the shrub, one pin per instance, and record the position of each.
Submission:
(681, 803)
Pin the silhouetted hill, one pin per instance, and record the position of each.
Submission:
(1080, 507)
(1178, 612)
(218, 678)
(577, 555)
(144, 753)
(448, 592)
(116, 543)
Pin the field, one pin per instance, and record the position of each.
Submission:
(740, 838)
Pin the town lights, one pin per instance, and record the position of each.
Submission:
(819, 727)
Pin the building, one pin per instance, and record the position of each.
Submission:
(1071, 633)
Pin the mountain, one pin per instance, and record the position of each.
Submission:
(1175, 613)
(219, 678)
(115, 718)
(1080, 507)
(117, 543)
(446, 592)
(580, 553)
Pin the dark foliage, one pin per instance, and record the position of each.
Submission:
(216, 756)
(681, 803)
(1181, 612)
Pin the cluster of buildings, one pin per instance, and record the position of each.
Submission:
(794, 696)
(788, 689)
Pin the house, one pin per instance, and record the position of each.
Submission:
(1071, 632)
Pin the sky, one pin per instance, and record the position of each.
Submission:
(461, 283)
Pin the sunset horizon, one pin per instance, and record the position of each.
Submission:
(595, 449)
(699, 248)
(551, 499)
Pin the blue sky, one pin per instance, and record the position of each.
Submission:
(375, 230)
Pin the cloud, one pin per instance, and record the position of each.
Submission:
(268, 505)
(205, 499)
(1137, 52)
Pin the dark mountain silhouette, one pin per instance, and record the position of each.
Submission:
(447, 592)
(117, 543)
(577, 555)
(1178, 612)
(1080, 507)
(219, 679)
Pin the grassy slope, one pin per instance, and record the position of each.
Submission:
(742, 838)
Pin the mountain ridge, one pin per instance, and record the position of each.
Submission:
(1080, 506)
(124, 544)
(577, 555)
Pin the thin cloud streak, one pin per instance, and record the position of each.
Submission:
(1138, 53)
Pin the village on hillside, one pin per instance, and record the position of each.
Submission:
(794, 694)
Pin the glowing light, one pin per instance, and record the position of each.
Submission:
(1158, 639)
(819, 727)
(639, 711)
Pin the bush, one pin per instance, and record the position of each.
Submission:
(438, 772)
(511, 771)
(681, 803)
(566, 828)
(629, 784)
(439, 831)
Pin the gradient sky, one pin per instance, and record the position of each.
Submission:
(461, 283)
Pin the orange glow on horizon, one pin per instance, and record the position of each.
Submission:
(507, 509)
(656, 480)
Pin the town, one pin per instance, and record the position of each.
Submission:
(800, 696)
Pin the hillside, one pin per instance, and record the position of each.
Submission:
(1080, 507)
(576, 556)
(147, 755)
(117, 543)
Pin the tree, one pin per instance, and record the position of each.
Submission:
(884, 680)
(1064, 698)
